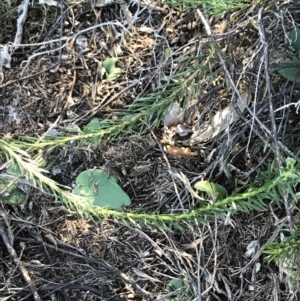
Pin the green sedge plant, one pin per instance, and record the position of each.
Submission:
(215, 7)
(276, 180)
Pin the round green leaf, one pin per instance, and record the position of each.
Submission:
(175, 284)
(294, 38)
(205, 186)
(113, 75)
(92, 127)
(221, 190)
(110, 67)
(14, 197)
(290, 69)
(96, 188)
(212, 189)
(109, 64)
(14, 169)
(9, 191)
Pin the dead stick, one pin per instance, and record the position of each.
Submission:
(263, 39)
(19, 263)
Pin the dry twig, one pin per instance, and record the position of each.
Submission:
(271, 110)
(18, 262)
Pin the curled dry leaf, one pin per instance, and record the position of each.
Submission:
(146, 29)
(103, 3)
(48, 2)
(82, 42)
(172, 117)
(180, 152)
(182, 130)
(220, 121)
(252, 248)
(5, 57)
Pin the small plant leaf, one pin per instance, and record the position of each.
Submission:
(92, 127)
(110, 67)
(96, 188)
(290, 69)
(205, 186)
(14, 170)
(15, 197)
(109, 64)
(175, 284)
(212, 189)
(294, 38)
(221, 190)
(9, 191)
(234, 150)
(167, 53)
